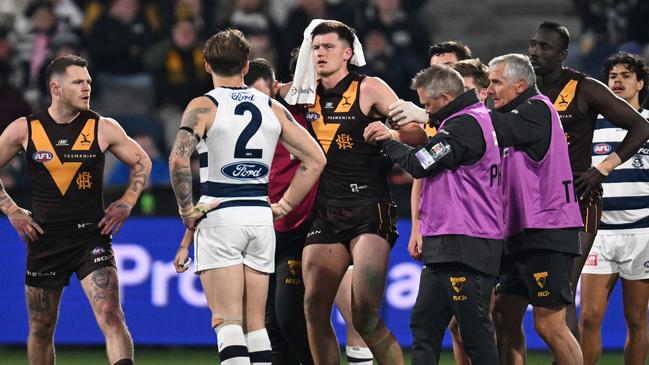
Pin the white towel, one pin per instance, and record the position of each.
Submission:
(304, 82)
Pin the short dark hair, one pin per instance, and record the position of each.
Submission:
(259, 68)
(227, 52)
(634, 63)
(344, 32)
(475, 69)
(461, 51)
(60, 65)
(563, 32)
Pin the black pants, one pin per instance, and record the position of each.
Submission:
(285, 321)
(453, 289)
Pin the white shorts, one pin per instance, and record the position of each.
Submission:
(626, 254)
(223, 246)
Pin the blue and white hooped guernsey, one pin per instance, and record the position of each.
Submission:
(626, 189)
(235, 157)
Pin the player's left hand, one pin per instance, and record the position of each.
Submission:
(377, 131)
(587, 181)
(116, 214)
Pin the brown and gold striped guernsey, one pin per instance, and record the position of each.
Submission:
(577, 126)
(356, 171)
(67, 168)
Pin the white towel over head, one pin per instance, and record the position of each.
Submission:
(304, 82)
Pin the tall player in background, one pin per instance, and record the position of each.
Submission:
(235, 242)
(70, 232)
(579, 99)
(621, 248)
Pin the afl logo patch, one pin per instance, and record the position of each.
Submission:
(245, 170)
(602, 148)
(97, 251)
(42, 156)
(312, 116)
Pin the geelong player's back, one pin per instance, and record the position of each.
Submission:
(236, 156)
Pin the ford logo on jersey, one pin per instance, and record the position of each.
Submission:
(245, 170)
(42, 156)
(311, 116)
(243, 96)
(602, 148)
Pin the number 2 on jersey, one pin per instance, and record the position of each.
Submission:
(240, 150)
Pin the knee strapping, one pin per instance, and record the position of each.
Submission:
(219, 321)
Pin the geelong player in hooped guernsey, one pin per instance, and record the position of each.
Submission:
(621, 248)
(237, 129)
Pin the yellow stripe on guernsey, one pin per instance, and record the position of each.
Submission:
(348, 99)
(325, 132)
(62, 172)
(565, 96)
(86, 137)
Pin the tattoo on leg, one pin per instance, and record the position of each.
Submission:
(101, 278)
(38, 300)
(100, 282)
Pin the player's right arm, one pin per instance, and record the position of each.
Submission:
(196, 120)
(12, 140)
(301, 145)
(601, 99)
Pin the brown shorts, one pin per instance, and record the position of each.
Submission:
(343, 224)
(591, 210)
(52, 259)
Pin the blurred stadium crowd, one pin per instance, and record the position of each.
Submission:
(145, 55)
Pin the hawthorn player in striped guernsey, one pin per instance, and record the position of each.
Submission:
(69, 230)
(579, 99)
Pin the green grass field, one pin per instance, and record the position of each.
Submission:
(207, 356)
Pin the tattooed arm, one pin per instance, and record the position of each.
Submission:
(301, 145)
(113, 138)
(12, 140)
(197, 119)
